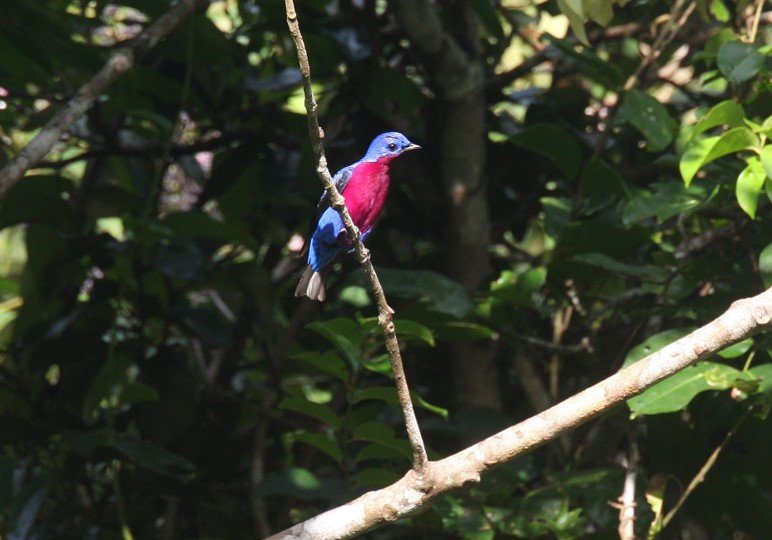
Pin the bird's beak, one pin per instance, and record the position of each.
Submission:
(412, 147)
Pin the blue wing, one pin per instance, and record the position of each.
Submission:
(340, 180)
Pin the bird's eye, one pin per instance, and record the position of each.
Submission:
(392, 146)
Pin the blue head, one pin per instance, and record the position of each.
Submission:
(389, 144)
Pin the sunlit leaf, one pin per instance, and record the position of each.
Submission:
(749, 185)
(675, 392)
(703, 151)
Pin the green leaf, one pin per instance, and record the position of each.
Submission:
(554, 143)
(327, 362)
(196, 224)
(649, 117)
(766, 160)
(738, 349)
(574, 11)
(421, 402)
(373, 432)
(487, 15)
(294, 482)
(461, 331)
(345, 334)
(749, 185)
(441, 294)
(727, 113)
(379, 364)
(155, 458)
(646, 272)
(36, 199)
(739, 62)
(374, 478)
(320, 442)
(675, 392)
(411, 329)
(701, 152)
(388, 394)
(315, 410)
(668, 199)
(765, 265)
(654, 343)
(380, 452)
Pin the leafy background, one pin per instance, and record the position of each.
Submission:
(159, 379)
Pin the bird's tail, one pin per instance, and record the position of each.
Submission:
(312, 284)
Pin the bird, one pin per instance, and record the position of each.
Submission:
(364, 185)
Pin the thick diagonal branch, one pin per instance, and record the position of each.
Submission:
(384, 311)
(120, 61)
(414, 491)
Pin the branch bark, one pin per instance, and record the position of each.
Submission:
(120, 61)
(414, 491)
(384, 311)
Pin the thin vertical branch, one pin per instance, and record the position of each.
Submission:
(338, 203)
(627, 505)
(703, 472)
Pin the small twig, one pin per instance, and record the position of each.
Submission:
(384, 311)
(755, 23)
(626, 503)
(120, 61)
(703, 472)
(561, 320)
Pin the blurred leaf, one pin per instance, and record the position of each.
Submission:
(36, 199)
(373, 478)
(668, 199)
(373, 432)
(441, 294)
(321, 412)
(766, 161)
(326, 362)
(320, 442)
(464, 331)
(739, 61)
(411, 329)
(646, 272)
(590, 63)
(749, 185)
(379, 364)
(155, 458)
(345, 334)
(675, 392)
(703, 151)
(553, 142)
(196, 224)
(649, 117)
(206, 324)
(765, 265)
(380, 452)
(574, 10)
(486, 13)
(294, 482)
